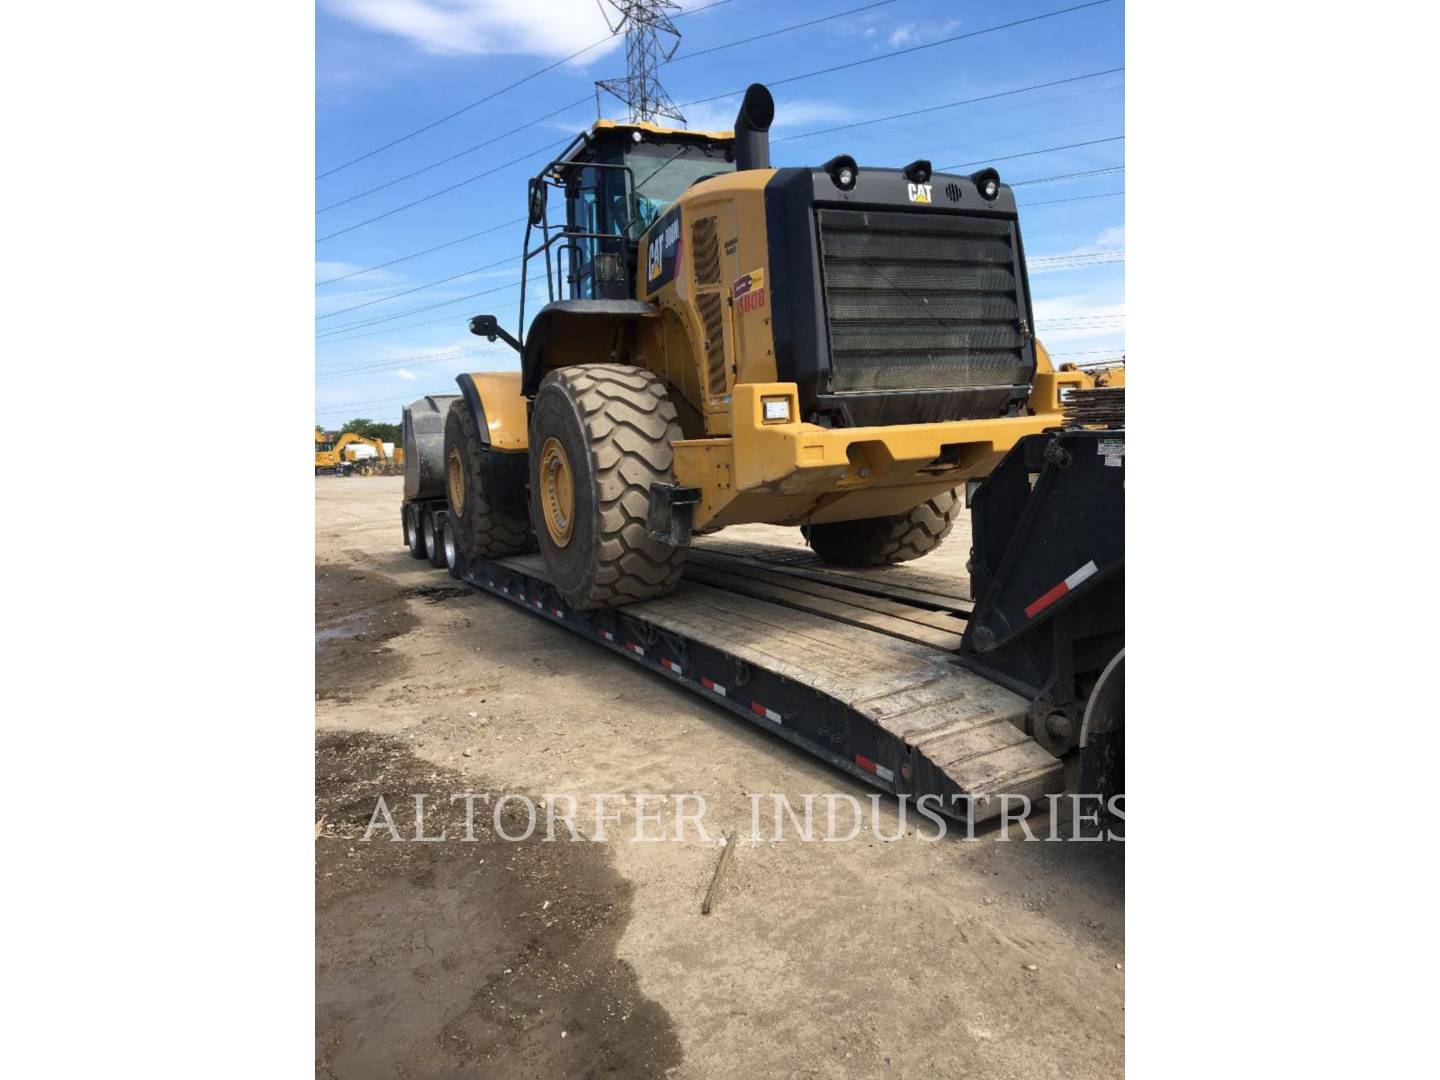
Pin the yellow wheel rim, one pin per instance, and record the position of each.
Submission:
(557, 491)
(455, 477)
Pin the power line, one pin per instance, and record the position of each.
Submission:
(442, 191)
(1032, 153)
(427, 251)
(397, 329)
(1075, 198)
(777, 33)
(453, 157)
(418, 288)
(491, 96)
(371, 401)
(428, 307)
(393, 363)
(948, 105)
(1057, 260)
(903, 52)
(1068, 176)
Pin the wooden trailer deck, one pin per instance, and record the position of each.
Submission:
(854, 666)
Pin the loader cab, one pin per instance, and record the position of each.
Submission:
(618, 181)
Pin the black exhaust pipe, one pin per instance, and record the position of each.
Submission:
(752, 129)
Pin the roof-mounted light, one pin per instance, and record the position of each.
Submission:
(987, 182)
(918, 172)
(843, 171)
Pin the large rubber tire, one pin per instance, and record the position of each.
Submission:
(615, 424)
(482, 531)
(883, 540)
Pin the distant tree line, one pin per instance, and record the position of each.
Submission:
(373, 429)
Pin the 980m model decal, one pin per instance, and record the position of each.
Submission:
(664, 251)
(749, 291)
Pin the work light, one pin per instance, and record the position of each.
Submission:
(843, 171)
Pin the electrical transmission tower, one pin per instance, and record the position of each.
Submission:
(644, 21)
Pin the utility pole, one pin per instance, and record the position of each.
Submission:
(644, 22)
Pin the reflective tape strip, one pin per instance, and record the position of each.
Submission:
(716, 687)
(768, 714)
(558, 613)
(606, 634)
(1042, 602)
(874, 767)
(634, 648)
(670, 665)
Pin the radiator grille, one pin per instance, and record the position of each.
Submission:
(709, 300)
(707, 251)
(712, 317)
(917, 300)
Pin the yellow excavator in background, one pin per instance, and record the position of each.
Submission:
(332, 458)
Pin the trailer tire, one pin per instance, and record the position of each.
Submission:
(414, 542)
(434, 539)
(604, 432)
(452, 553)
(883, 540)
(482, 531)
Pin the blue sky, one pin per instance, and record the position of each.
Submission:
(388, 67)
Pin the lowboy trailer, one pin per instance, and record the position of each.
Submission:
(895, 676)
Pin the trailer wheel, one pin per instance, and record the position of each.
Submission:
(413, 540)
(481, 529)
(434, 549)
(600, 436)
(452, 553)
(882, 540)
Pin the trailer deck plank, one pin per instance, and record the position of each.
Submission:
(850, 613)
(900, 582)
(737, 568)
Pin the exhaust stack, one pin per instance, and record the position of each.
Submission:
(752, 129)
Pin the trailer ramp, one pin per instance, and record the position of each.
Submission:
(855, 667)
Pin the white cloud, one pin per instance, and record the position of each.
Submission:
(919, 33)
(554, 28)
(409, 376)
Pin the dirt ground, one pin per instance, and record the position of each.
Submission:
(484, 958)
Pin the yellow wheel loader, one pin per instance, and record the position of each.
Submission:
(836, 348)
(841, 349)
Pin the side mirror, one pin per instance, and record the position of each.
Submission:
(537, 200)
(488, 327)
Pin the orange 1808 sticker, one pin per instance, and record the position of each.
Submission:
(749, 291)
